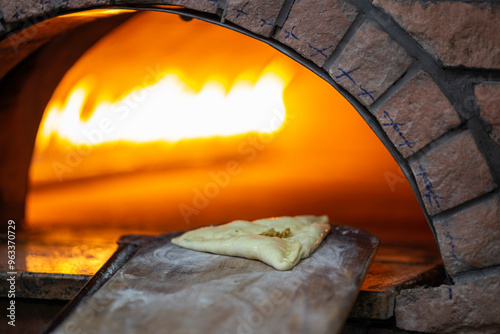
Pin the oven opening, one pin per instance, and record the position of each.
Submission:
(167, 124)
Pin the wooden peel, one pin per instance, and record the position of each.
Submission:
(165, 288)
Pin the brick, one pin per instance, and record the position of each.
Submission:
(457, 33)
(145, 2)
(370, 63)
(256, 16)
(72, 4)
(469, 239)
(416, 115)
(470, 307)
(385, 279)
(20, 10)
(488, 98)
(208, 6)
(452, 173)
(314, 28)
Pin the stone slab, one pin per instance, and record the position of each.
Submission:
(465, 307)
(395, 267)
(256, 16)
(44, 285)
(488, 98)
(452, 173)
(370, 63)
(165, 286)
(384, 282)
(456, 32)
(416, 115)
(60, 253)
(469, 240)
(314, 28)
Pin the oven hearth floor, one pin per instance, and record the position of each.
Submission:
(52, 266)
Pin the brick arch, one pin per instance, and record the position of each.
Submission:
(431, 98)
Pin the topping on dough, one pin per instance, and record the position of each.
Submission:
(261, 239)
(273, 233)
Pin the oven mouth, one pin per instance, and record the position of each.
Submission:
(321, 155)
(332, 185)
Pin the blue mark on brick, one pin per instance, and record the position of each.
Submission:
(265, 23)
(242, 10)
(451, 242)
(365, 92)
(347, 74)
(44, 2)
(18, 12)
(395, 126)
(214, 2)
(320, 51)
(290, 33)
(429, 194)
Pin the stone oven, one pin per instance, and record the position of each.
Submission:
(424, 75)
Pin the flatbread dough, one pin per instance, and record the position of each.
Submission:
(245, 239)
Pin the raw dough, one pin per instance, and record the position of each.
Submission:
(245, 239)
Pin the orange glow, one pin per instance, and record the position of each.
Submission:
(79, 260)
(169, 111)
(97, 13)
(157, 97)
(322, 158)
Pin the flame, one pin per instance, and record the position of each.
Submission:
(167, 110)
(101, 115)
(94, 13)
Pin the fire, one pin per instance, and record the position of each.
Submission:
(168, 110)
(154, 101)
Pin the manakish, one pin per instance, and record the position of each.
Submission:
(279, 242)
